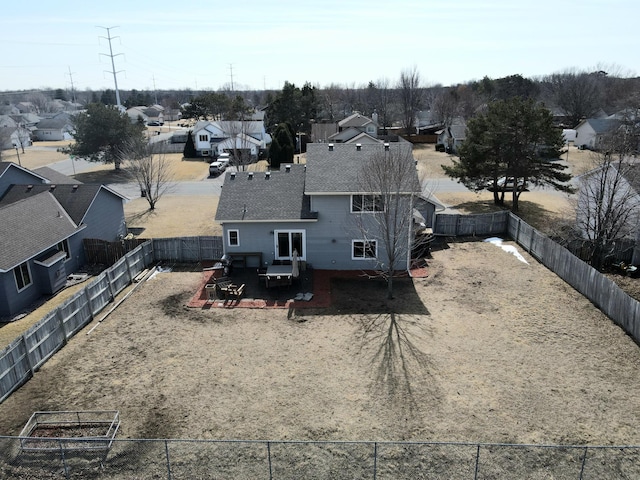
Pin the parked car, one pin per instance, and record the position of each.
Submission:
(506, 184)
(225, 159)
(216, 168)
(153, 124)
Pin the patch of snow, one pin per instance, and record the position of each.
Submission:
(507, 248)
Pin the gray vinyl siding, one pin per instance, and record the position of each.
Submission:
(12, 302)
(105, 218)
(328, 240)
(13, 176)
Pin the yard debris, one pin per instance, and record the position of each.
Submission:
(303, 296)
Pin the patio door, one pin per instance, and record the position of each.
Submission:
(289, 240)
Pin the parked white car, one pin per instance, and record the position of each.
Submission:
(506, 184)
(225, 159)
(216, 168)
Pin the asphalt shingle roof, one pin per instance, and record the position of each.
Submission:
(54, 176)
(20, 239)
(254, 196)
(75, 199)
(337, 170)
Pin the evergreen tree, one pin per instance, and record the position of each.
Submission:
(514, 139)
(282, 146)
(189, 147)
(102, 132)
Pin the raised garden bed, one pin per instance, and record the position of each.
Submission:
(70, 431)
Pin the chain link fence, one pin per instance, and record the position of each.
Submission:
(284, 460)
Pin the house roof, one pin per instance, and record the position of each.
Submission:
(459, 132)
(264, 196)
(599, 125)
(336, 169)
(54, 176)
(4, 166)
(55, 123)
(75, 199)
(345, 135)
(47, 225)
(355, 120)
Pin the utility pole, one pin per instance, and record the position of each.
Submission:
(73, 92)
(113, 65)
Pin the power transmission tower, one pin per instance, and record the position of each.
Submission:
(113, 65)
(73, 92)
(231, 73)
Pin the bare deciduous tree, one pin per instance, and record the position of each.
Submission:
(148, 165)
(411, 92)
(607, 206)
(389, 184)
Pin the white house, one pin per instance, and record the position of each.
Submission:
(212, 138)
(591, 131)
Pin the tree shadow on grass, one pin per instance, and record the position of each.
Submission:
(368, 296)
(398, 362)
(106, 176)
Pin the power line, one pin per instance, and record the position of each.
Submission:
(113, 65)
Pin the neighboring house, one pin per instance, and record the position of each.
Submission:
(353, 126)
(7, 121)
(314, 208)
(591, 132)
(212, 138)
(13, 174)
(153, 114)
(452, 137)
(137, 113)
(43, 227)
(320, 132)
(12, 137)
(610, 192)
(58, 127)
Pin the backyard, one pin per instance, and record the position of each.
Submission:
(485, 349)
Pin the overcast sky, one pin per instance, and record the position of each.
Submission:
(259, 44)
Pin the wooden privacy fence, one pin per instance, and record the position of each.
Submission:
(179, 249)
(187, 249)
(604, 293)
(454, 225)
(20, 359)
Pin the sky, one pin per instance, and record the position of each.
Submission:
(254, 44)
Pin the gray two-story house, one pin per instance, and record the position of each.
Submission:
(323, 210)
(43, 227)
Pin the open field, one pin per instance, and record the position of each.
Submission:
(477, 357)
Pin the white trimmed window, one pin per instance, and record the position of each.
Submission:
(22, 276)
(364, 249)
(233, 238)
(366, 203)
(63, 246)
(203, 138)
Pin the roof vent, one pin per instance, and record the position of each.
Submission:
(267, 175)
(75, 187)
(331, 147)
(287, 168)
(52, 187)
(358, 146)
(386, 146)
(250, 177)
(29, 187)
(233, 176)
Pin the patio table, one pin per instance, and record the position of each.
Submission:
(278, 275)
